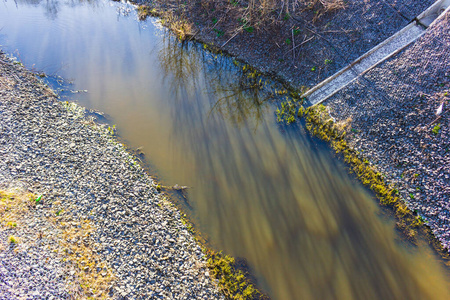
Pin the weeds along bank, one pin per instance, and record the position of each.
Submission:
(400, 123)
(391, 127)
(321, 124)
(78, 214)
(240, 15)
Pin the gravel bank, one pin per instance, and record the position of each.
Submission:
(393, 112)
(305, 46)
(89, 185)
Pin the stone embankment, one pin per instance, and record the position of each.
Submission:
(399, 113)
(78, 216)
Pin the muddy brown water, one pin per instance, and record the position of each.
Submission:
(261, 191)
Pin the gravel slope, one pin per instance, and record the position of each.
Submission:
(85, 177)
(393, 109)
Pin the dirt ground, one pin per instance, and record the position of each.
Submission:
(304, 46)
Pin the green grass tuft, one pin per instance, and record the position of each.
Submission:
(13, 240)
(232, 281)
(436, 129)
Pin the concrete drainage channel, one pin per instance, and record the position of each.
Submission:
(376, 55)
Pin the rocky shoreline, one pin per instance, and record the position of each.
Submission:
(95, 225)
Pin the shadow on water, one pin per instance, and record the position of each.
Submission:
(272, 194)
(261, 191)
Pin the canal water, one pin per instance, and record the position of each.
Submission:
(259, 190)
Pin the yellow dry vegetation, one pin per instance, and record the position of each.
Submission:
(87, 275)
(93, 277)
(177, 23)
(250, 15)
(13, 207)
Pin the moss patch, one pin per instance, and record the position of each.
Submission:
(233, 281)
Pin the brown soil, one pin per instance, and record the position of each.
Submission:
(303, 44)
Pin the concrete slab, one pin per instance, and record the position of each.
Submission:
(433, 12)
(376, 55)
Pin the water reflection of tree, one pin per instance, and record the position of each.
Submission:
(52, 7)
(180, 67)
(30, 2)
(238, 98)
(234, 94)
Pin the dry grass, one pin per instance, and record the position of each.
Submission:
(87, 276)
(234, 15)
(176, 22)
(92, 278)
(144, 11)
(344, 126)
(261, 12)
(291, 6)
(13, 207)
(331, 5)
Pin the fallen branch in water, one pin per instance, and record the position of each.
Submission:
(175, 187)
